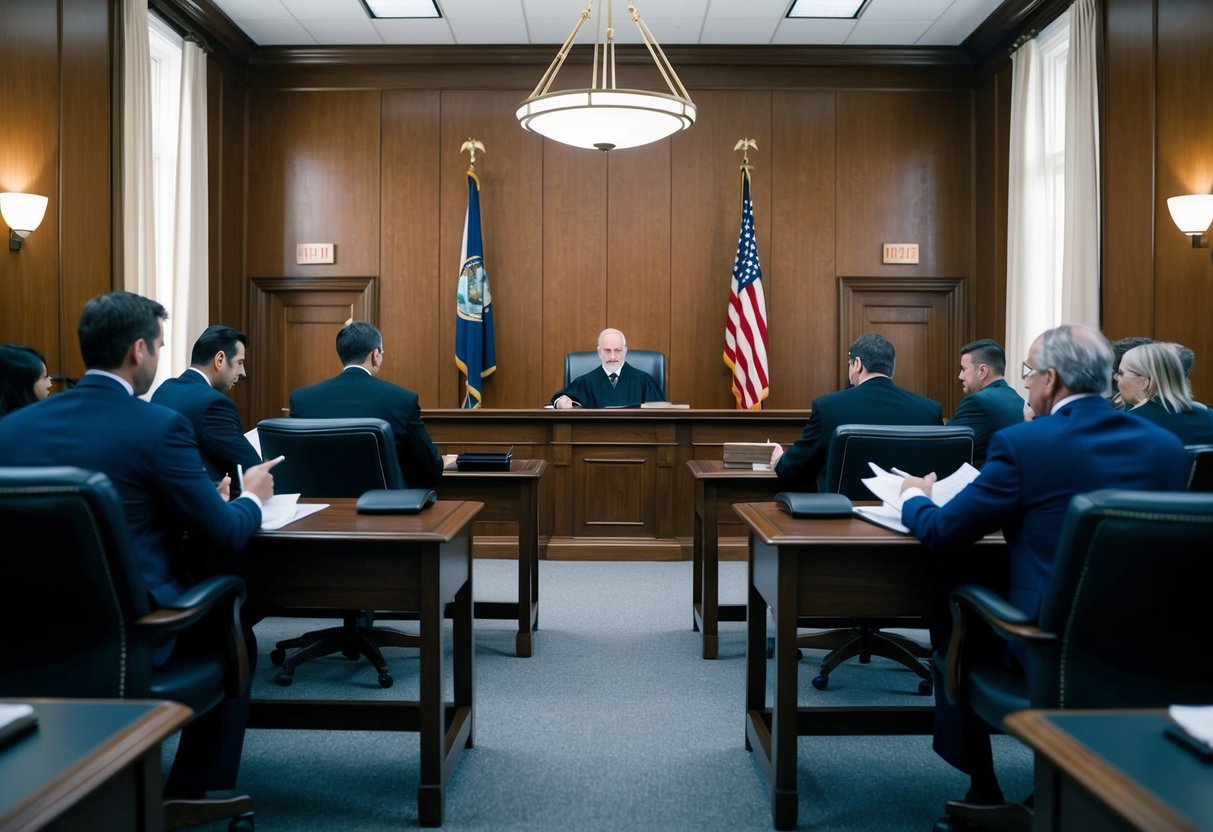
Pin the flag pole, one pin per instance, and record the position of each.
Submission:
(475, 351)
(471, 146)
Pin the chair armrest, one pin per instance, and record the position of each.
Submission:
(197, 603)
(974, 603)
(194, 604)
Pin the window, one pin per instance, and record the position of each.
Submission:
(1053, 45)
(165, 48)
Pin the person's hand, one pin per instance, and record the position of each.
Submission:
(224, 487)
(563, 403)
(448, 462)
(776, 453)
(924, 484)
(258, 479)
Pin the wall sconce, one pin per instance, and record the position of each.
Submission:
(1193, 214)
(23, 213)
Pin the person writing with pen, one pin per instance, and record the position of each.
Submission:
(151, 456)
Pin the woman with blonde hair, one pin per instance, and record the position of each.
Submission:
(1153, 386)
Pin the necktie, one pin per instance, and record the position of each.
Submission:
(614, 377)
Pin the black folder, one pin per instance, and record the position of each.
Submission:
(484, 461)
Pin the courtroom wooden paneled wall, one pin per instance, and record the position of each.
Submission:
(367, 157)
(642, 240)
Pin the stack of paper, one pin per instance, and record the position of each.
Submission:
(887, 486)
(753, 455)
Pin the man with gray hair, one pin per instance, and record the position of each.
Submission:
(615, 384)
(1076, 443)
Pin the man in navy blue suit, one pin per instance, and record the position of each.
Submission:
(873, 399)
(216, 364)
(1077, 443)
(150, 455)
(990, 404)
(356, 392)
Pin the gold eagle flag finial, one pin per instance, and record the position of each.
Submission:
(745, 145)
(472, 145)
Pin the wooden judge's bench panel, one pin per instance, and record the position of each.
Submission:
(617, 486)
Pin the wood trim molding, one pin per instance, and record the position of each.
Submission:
(989, 47)
(203, 18)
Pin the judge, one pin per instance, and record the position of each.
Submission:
(615, 384)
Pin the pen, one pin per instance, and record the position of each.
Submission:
(240, 476)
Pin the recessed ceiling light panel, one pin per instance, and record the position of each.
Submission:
(827, 8)
(401, 8)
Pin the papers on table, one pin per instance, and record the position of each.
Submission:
(254, 439)
(284, 508)
(15, 720)
(887, 486)
(1197, 720)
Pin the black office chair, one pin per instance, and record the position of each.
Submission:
(918, 450)
(648, 361)
(1125, 622)
(334, 458)
(1201, 476)
(85, 627)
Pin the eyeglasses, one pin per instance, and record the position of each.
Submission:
(1121, 373)
(1028, 372)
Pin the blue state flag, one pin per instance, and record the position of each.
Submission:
(475, 354)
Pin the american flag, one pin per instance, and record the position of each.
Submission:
(745, 332)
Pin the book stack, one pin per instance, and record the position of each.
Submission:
(752, 455)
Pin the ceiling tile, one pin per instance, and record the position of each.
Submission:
(345, 32)
(750, 30)
(415, 32)
(886, 32)
(487, 30)
(802, 31)
(277, 32)
(254, 10)
(305, 10)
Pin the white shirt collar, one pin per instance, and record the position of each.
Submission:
(1067, 400)
(199, 372)
(130, 389)
(356, 367)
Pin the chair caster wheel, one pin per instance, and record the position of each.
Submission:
(385, 680)
(277, 657)
(284, 678)
(241, 824)
(926, 687)
(821, 682)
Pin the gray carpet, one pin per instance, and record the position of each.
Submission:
(614, 724)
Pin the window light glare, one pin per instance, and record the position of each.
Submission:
(826, 8)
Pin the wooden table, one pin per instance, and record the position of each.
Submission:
(90, 764)
(1113, 770)
(508, 496)
(716, 490)
(338, 559)
(835, 568)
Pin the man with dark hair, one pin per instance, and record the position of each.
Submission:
(216, 364)
(1076, 443)
(990, 404)
(357, 393)
(872, 400)
(150, 455)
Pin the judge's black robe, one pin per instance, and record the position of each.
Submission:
(594, 389)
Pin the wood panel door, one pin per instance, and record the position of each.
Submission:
(924, 320)
(297, 322)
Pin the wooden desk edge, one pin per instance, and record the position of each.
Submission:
(91, 771)
(1109, 783)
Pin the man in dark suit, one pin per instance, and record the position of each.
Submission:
(990, 404)
(872, 400)
(216, 364)
(150, 455)
(1076, 443)
(357, 393)
(615, 384)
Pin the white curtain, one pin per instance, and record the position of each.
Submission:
(187, 289)
(1029, 260)
(1080, 269)
(138, 211)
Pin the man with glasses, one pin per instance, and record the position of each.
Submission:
(1077, 443)
(872, 399)
(357, 393)
(615, 384)
(990, 404)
